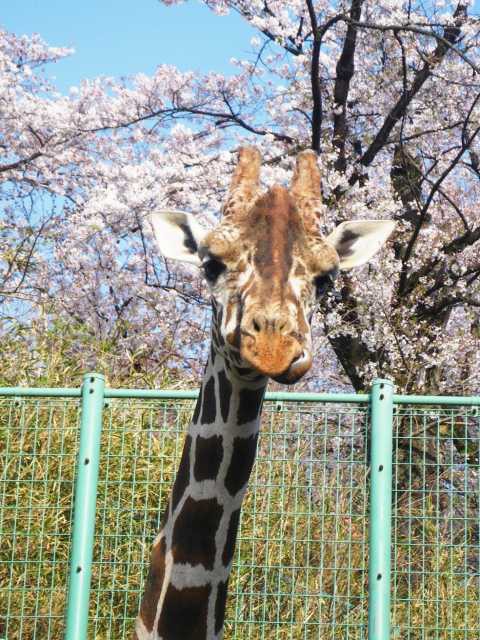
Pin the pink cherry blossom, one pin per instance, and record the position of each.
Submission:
(389, 98)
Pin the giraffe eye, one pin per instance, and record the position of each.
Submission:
(212, 268)
(324, 282)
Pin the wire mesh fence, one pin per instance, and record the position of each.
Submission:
(38, 445)
(436, 558)
(301, 562)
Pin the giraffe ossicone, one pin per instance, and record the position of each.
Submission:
(267, 264)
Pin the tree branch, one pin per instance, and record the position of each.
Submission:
(423, 212)
(20, 163)
(315, 80)
(345, 70)
(221, 118)
(444, 44)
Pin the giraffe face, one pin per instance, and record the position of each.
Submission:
(267, 265)
(266, 275)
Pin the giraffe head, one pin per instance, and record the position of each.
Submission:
(268, 265)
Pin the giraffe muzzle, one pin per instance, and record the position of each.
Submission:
(276, 355)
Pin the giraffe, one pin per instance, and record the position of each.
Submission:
(267, 265)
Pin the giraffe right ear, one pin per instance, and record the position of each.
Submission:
(178, 235)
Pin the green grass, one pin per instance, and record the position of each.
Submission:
(301, 561)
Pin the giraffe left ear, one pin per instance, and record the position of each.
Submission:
(358, 241)
(178, 235)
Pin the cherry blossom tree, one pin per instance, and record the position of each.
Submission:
(386, 92)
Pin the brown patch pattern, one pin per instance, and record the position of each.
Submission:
(276, 225)
(209, 407)
(245, 371)
(300, 270)
(208, 457)
(183, 474)
(218, 324)
(194, 532)
(198, 406)
(154, 584)
(229, 547)
(241, 463)
(220, 603)
(184, 613)
(225, 391)
(250, 404)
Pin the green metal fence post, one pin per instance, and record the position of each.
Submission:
(84, 507)
(380, 511)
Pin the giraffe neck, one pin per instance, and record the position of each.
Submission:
(186, 591)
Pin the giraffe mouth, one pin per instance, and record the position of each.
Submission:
(298, 368)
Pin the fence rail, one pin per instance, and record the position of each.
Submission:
(361, 521)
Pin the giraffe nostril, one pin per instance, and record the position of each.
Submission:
(256, 326)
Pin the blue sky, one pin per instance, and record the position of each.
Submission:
(123, 37)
